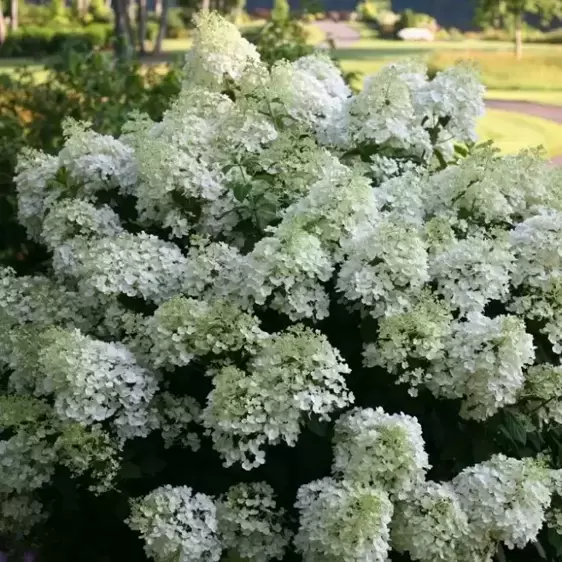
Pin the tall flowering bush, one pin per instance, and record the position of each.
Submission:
(286, 323)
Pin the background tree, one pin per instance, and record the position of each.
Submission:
(2, 24)
(513, 12)
(280, 11)
(14, 12)
(141, 24)
(162, 27)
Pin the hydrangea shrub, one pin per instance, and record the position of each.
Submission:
(287, 323)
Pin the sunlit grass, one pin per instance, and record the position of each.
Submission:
(513, 132)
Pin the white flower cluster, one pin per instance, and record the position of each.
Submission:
(505, 498)
(136, 265)
(19, 514)
(177, 524)
(182, 329)
(93, 381)
(250, 523)
(27, 462)
(543, 389)
(296, 372)
(484, 364)
(432, 526)
(96, 162)
(341, 521)
(77, 218)
(386, 451)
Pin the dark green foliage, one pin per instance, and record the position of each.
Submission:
(88, 87)
(38, 40)
(409, 18)
(281, 39)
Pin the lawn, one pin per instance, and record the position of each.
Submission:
(515, 131)
(540, 69)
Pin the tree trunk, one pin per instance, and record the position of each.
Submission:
(158, 7)
(14, 14)
(162, 27)
(126, 6)
(2, 25)
(141, 24)
(519, 36)
(205, 5)
(122, 39)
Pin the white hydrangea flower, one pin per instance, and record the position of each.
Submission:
(292, 264)
(536, 242)
(408, 339)
(384, 113)
(94, 381)
(483, 364)
(387, 265)
(334, 205)
(297, 372)
(454, 100)
(176, 523)
(182, 329)
(402, 198)
(432, 527)
(251, 524)
(505, 498)
(27, 462)
(554, 520)
(136, 265)
(96, 162)
(488, 189)
(73, 218)
(37, 300)
(219, 52)
(472, 272)
(19, 514)
(543, 390)
(379, 449)
(36, 193)
(343, 522)
(308, 91)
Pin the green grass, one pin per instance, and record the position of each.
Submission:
(540, 69)
(513, 132)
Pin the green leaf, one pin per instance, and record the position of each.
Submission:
(515, 428)
(130, 471)
(241, 191)
(266, 214)
(540, 550)
(461, 150)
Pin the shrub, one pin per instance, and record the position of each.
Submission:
(176, 26)
(281, 11)
(369, 10)
(280, 39)
(286, 323)
(409, 18)
(39, 41)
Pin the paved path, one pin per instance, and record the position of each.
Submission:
(341, 33)
(550, 112)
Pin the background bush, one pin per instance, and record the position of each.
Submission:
(38, 41)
